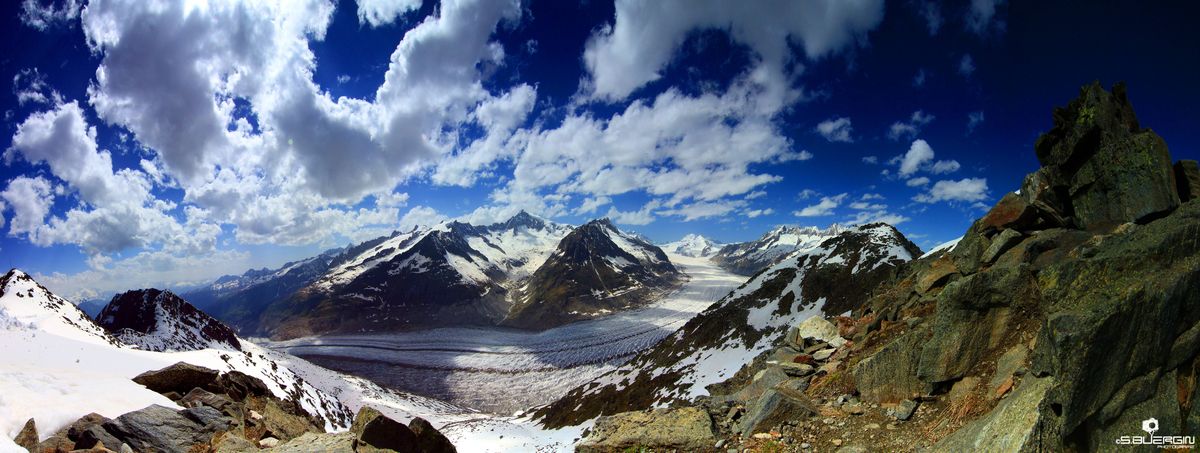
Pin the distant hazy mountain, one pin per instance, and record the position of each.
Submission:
(693, 245)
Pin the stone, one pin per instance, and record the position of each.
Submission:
(1016, 424)
(765, 379)
(796, 369)
(1004, 387)
(1000, 244)
(1008, 364)
(854, 409)
(283, 424)
(429, 439)
(683, 429)
(1011, 212)
(938, 274)
(180, 378)
(890, 374)
(56, 443)
(821, 329)
(1111, 169)
(28, 436)
(239, 385)
(383, 434)
(975, 315)
(961, 390)
(773, 408)
(95, 435)
(1187, 180)
(823, 354)
(231, 442)
(903, 411)
(967, 255)
(157, 428)
(268, 442)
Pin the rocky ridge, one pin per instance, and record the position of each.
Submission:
(1063, 320)
(156, 320)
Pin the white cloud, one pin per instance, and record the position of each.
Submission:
(422, 216)
(29, 85)
(980, 15)
(944, 166)
(865, 206)
(43, 15)
(807, 193)
(870, 160)
(932, 13)
(919, 181)
(755, 213)
(704, 209)
(634, 50)
(918, 154)
(640, 217)
(865, 217)
(974, 119)
(147, 269)
(919, 78)
(382, 12)
(968, 189)
(907, 130)
(591, 204)
(966, 66)
(823, 208)
(871, 196)
(30, 200)
(836, 130)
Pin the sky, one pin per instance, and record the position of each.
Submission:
(160, 143)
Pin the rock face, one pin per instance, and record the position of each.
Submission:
(596, 269)
(1104, 168)
(157, 320)
(686, 429)
(157, 428)
(1187, 180)
(1072, 307)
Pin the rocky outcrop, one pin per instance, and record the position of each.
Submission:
(686, 429)
(179, 378)
(1187, 180)
(28, 436)
(1102, 168)
(157, 320)
(157, 428)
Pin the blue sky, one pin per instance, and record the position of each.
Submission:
(159, 143)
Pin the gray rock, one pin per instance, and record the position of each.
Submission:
(375, 432)
(763, 380)
(322, 442)
(1187, 180)
(796, 369)
(683, 429)
(904, 410)
(773, 408)
(157, 428)
(1008, 364)
(1016, 424)
(429, 439)
(180, 378)
(90, 436)
(890, 375)
(1000, 244)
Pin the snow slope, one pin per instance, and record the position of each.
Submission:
(693, 245)
(503, 370)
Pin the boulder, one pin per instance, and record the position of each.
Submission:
(239, 385)
(939, 273)
(1008, 363)
(890, 374)
(1016, 424)
(974, 315)
(322, 442)
(1000, 244)
(819, 328)
(796, 369)
(904, 410)
(429, 439)
(765, 379)
(1187, 180)
(772, 409)
(180, 378)
(968, 254)
(1011, 212)
(375, 432)
(96, 435)
(683, 429)
(28, 436)
(1112, 170)
(200, 397)
(282, 423)
(157, 428)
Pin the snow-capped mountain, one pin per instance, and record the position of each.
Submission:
(156, 320)
(825, 278)
(747, 258)
(595, 270)
(59, 366)
(693, 245)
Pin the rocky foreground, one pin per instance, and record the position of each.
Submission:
(1064, 320)
(228, 413)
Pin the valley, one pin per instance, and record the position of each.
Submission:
(501, 370)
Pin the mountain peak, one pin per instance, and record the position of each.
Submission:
(159, 320)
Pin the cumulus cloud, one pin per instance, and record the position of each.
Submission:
(29, 85)
(47, 14)
(967, 190)
(966, 65)
(145, 269)
(640, 217)
(30, 200)
(836, 130)
(704, 209)
(907, 130)
(974, 119)
(917, 182)
(755, 213)
(876, 216)
(634, 50)
(944, 166)
(919, 153)
(421, 216)
(823, 208)
(981, 14)
(383, 12)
